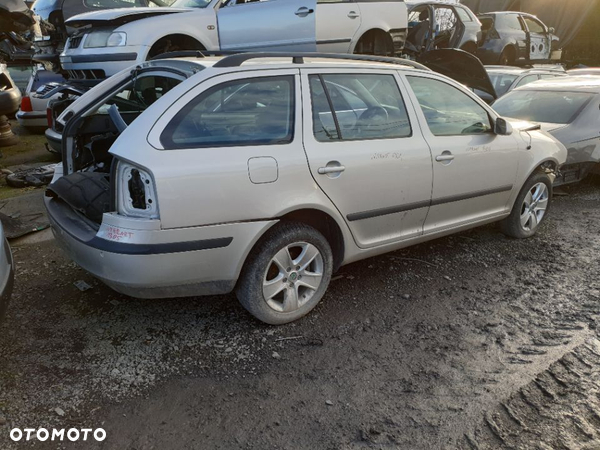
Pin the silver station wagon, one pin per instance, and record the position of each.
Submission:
(263, 174)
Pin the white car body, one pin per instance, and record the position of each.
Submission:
(35, 114)
(274, 25)
(205, 207)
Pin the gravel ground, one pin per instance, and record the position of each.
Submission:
(471, 341)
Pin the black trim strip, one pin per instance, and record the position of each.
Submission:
(53, 207)
(424, 204)
(123, 248)
(385, 211)
(334, 41)
(100, 58)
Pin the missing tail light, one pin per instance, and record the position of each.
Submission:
(49, 117)
(26, 104)
(136, 193)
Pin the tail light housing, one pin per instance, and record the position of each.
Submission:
(135, 191)
(49, 117)
(26, 104)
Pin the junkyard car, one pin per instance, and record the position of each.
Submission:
(109, 41)
(6, 273)
(507, 78)
(54, 13)
(434, 25)
(568, 108)
(594, 71)
(200, 176)
(34, 104)
(513, 37)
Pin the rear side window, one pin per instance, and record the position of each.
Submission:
(511, 22)
(252, 111)
(355, 107)
(448, 111)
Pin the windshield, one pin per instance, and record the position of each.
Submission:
(502, 82)
(543, 106)
(191, 3)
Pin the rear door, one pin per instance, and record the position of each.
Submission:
(474, 169)
(538, 39)
(269, 25)
(368, 155)
(337, 23)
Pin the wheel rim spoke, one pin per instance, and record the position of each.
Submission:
(283, 260)
(525, 218)
(273, 287)
(290, 299)
(310, 280)
(542, 205)
(534, 221)
(309, 253)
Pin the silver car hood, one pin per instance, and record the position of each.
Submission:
(119, 16)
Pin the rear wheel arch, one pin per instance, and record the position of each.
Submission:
(375, 42)
(510, 51)
(174, 42)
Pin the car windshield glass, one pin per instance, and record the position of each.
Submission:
(191, 3)
(502, 82)
(113, 3)
(543, 106)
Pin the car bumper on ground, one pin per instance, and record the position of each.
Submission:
(155, 263)
(37, 119)
(6, 279)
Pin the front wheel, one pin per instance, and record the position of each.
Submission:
(287, 274)
(530, 208)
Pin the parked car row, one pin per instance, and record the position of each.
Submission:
(300, 193)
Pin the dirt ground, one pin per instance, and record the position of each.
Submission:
(474, 341)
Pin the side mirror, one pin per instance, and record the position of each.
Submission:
(552, 30)
(503, 128)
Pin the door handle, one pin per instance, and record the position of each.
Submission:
(444, 157)
(353, 14)
(331, 169)
(304, 11)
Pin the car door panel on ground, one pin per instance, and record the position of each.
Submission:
(474, 169)
(337, 23)
(270, 25)
(369, 157)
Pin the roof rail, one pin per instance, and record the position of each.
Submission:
(298, 58)
(192, 54)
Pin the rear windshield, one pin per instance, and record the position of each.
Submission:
(543, 106)
(502, 82)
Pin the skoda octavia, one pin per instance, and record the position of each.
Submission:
(263, 174)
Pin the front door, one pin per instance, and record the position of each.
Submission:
(337, 23)
(474, 169)
(538, 38)
(268, 25)
(365, 151)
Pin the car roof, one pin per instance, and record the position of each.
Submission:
(590, 84)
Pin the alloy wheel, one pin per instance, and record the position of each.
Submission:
(534, 206)
(292, 277)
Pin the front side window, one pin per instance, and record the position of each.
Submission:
(445, 19)
(449, 111)
(252, 111)
(534, 26)
(364, 107)
(543, 106)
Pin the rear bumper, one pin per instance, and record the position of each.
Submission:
(154, 263)
(32, 118)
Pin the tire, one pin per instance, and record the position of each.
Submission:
(506, 57)
(261, 275)
(525, 218)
